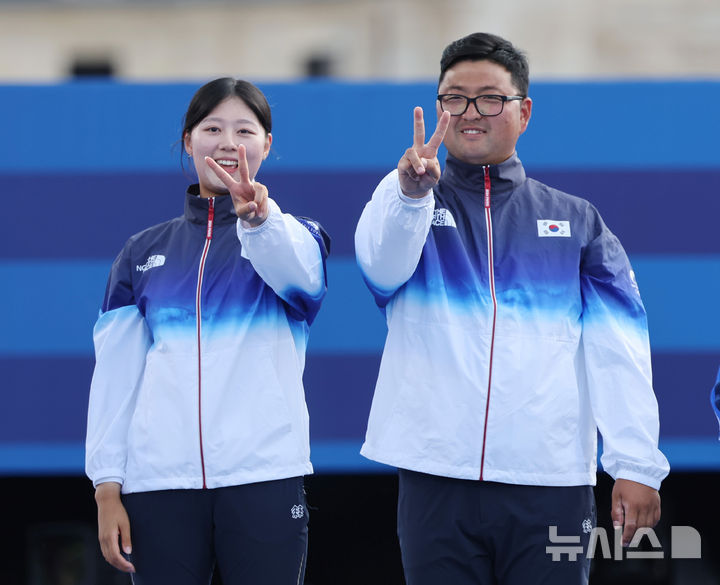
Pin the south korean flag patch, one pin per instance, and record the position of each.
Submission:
(553, 228)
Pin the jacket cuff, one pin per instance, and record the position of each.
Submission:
(108, 479)
(642, 478)
(415, 201)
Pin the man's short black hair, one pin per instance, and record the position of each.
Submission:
(488, 47)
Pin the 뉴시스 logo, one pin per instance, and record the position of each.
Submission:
(685, 543)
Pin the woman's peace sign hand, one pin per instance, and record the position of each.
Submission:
(419, 169)
(250, 198)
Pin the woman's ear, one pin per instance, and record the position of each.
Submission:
(268, 142)
(187, 143)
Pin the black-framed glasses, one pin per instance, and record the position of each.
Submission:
(486, 105)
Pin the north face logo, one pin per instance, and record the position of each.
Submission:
(152, 262)
(443, 217)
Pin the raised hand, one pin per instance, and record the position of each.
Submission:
(250, 198)
(419, 169)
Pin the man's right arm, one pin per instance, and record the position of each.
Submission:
(391, 234)
(394, 225)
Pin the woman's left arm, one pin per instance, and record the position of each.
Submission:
(289, 255)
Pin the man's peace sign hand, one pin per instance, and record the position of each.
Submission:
(419, 169)
(250, 198)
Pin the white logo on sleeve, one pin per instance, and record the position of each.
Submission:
(443, 217)
(152, 262)
(297, 511)
(553, 228)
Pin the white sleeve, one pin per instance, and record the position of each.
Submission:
(287, 256)
(616, 353)
(390, 235)
(122, 340)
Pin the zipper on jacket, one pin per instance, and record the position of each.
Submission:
(198, 318)
(491, 276)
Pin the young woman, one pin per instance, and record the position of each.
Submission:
(197, 438)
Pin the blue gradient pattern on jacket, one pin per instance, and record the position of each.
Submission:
(198, 380)
(517, 396)
(180, 242)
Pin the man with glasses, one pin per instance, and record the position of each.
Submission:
(515, 333)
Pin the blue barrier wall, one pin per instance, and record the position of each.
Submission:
(83, 166)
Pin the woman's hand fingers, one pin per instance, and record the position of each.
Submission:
(221, 173)
(113, 526)
(254, 212)
(249, 197)
(243, 166)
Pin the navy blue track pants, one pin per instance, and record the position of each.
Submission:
(255, 533)
(484, 533)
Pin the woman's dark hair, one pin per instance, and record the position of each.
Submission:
(212, 93)
(488, 47)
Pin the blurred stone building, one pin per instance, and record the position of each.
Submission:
(278, 40)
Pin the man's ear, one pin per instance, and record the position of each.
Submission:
(525, 113)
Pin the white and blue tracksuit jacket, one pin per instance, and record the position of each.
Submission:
(200, 350)
(515, 332)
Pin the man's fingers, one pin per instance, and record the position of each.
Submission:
(656, 516)
(623, 517)
(616, 511)
(418, 169)
(634, 506)
(419, 128)
(648, 515)
(439, 134)
(415, 161)
(631, 525)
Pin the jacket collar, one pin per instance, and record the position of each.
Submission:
(196, 207)
(505, 177)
